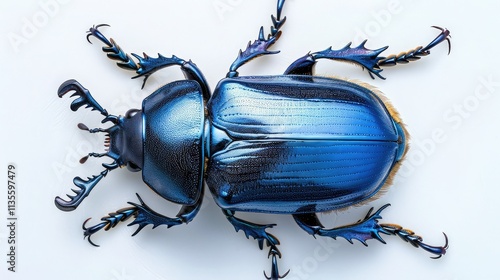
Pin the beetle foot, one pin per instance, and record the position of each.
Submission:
(443, 36)
(275, 275)
(415, 240)
(94, 31)
(418, 52)
(108, 222)
(88, 232)
(112, 49)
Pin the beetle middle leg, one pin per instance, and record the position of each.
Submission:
(143, 216)
(258, 232)
(260, 46)
(365, 229)
(366, 58)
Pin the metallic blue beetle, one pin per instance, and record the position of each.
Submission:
(293, 144)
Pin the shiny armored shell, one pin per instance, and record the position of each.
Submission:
(276, 144)
(298, 144)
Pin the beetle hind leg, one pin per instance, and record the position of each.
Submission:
(258, 232)
(365, 229)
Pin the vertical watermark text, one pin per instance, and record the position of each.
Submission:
(12, 218)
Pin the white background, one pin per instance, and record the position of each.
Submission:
(449, 183)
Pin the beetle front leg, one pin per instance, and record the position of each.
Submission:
(258, 232)
(366, 229)
(147, 65)
(143, 216)
(112, 49)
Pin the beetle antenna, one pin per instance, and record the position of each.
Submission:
(107, 144)
(94, 130)
(85, 158)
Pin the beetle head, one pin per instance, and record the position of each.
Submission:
(123, 141)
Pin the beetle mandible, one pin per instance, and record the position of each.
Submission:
(294, 144)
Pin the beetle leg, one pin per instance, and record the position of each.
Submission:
(359, 55)
(112, 49)
(258, 232)
(260, 46)
(366, 229)
(84, 189)
(84, 99)
(147, 65)
(366, 58)
(143, 216)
